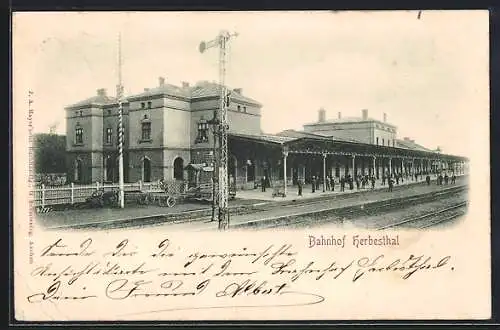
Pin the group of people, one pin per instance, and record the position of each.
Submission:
(363, 181)
(446, 179)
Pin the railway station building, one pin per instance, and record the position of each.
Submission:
(167, 135)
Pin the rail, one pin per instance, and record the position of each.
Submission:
(427, 216)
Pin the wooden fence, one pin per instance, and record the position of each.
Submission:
(71, 194)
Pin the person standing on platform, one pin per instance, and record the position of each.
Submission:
(327, 183)
(373, 182)
(357, 182)
(390, 182)
(299, 185)
(428, 179)
(453, 178)
(383, 179)
(313, 181)
(397, 178)
(263, 183)
(342, 183)
(332, 183)
(317, 182)
(446, 178)
(350, 180)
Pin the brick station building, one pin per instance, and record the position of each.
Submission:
(167, 136)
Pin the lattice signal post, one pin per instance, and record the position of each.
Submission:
(221, 128)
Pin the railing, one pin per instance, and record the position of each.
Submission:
(46, 196)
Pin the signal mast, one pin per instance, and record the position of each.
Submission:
(119, 96)
(220, 131)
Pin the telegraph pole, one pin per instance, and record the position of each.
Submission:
(221, 128)
(119, 95)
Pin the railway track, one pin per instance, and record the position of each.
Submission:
(287, 220)
(329, 214)
(431, 219)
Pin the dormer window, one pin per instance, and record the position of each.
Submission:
(244, 109)
(202, 131)
(143, 105)
(239, 108)
(149, 105)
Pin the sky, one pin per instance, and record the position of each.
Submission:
(430, 75)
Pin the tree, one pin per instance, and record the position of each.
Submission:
(50, 152)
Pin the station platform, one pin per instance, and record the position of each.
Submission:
(316, 206)
(250, 199)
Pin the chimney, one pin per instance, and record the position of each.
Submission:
(365, 114)
(101, 92)
(340, 115)
(185, 84)
(161, 81)
(238, 91)
(321, 115)
(385, 117)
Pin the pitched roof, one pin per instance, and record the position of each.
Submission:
(97, 100)
(348, 120)
(300, 134)
(210, 89)
(166, 89)
(409, 144)
(200, 90)
(264, 137)
(297, 134)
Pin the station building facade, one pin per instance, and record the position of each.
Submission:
(167, 135)
(165, 129)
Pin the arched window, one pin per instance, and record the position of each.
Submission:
(146, 170)
(109, 135)
(78, 170)
(178, 168)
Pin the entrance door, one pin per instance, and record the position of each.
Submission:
(109, 169)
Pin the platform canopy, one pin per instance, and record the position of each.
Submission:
(327, 145)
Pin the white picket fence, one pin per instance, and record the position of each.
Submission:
(47, 196)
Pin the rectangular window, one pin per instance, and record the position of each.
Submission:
(109, 135)
(377, 140)
(149, 105)
(79, 135)
(202, 132)
(383, 142)
(143, 105)
(146, 131)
